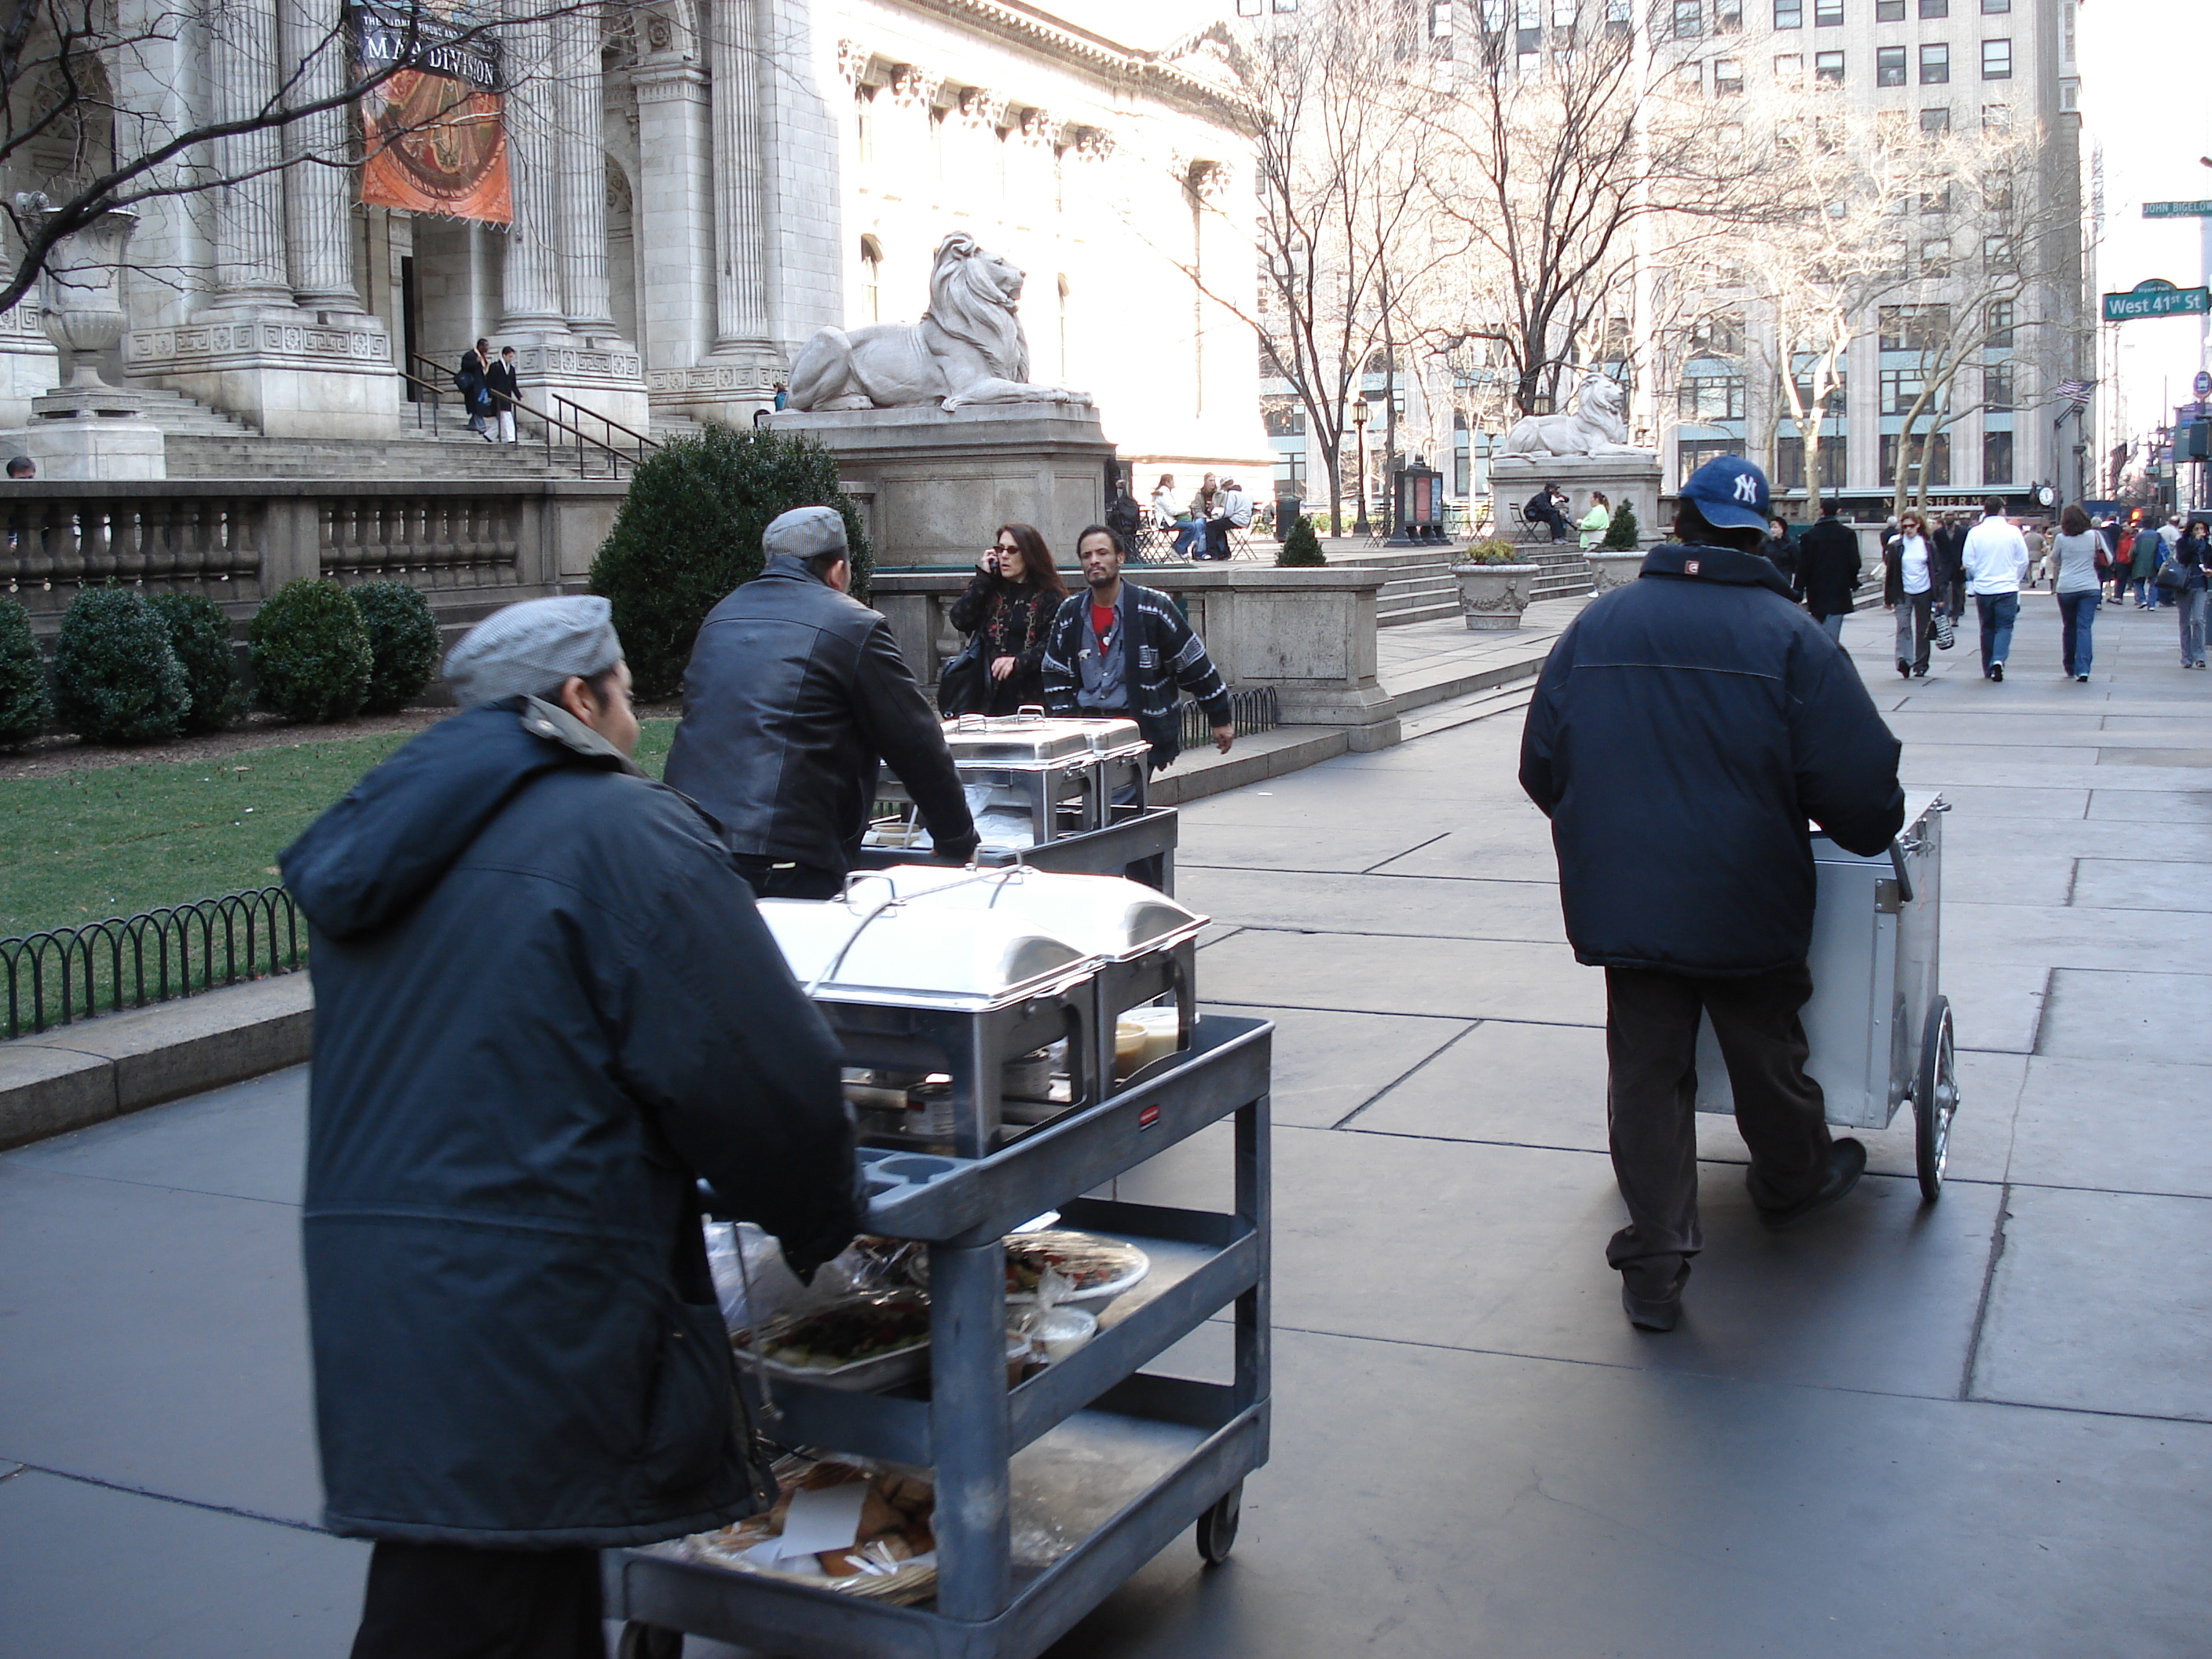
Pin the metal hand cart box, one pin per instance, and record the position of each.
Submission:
(1878, 1026)
(1131, 1457)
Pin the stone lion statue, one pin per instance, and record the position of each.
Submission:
(968, 347)
(1599, 425)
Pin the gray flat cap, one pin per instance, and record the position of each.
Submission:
(528, 649)
(805, 532)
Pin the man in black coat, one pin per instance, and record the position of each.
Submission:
(545, 1006)
(1949, 545)
(1828, 569)
(1544, 507)
(1685, 728)
(795, 690)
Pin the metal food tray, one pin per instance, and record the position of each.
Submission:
(1129, 1457)
(1140, 843)
(878, 1371)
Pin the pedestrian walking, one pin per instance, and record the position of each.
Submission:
(794, 691)
(2145, 554)
(1827, 566)
(1950, 544)
(545, 1008)
(501, 381)
(1908, 589)
(1006, 610)
(2192, 558)
(1995, 560)
(1691, 704)
(2078, 558)
(472, 380)
(1596, 522)
(1121, 649)
(1781, 552)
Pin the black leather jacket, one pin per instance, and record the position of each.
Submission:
(794, 693)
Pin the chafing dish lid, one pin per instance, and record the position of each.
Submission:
(1112, 737)
(1103, 915)
(1017, 739)
(862, 949)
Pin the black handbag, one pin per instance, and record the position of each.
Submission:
(963, 683)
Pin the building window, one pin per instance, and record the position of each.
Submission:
(1996, 385)
(1790, 13)
(1718, 335)
(1914, 328)
(1727, 16)
(1935, 257)
(1900, 390)
(1935, 62)
(1998, 254)
(1789, 66)
(1996, 60)
(1889, 11)
(1889, 66)
(1789, 463)
(1690, 79)
(864, 128)
(1248, 8)
(1728, 74)
(1935, 7)
(1689, 19)
(1995, 118)
(1690, 453)
(2000, 320)
(872, 275)
(1828, 66)
(1934, 203)
(1838, 397)
(1708, 397)
(1619, 17)
(1996, 8)
(1440, 20)
(1828, 13)
(1935, 453)
(1997, 458)
(1934, 121)
(1731, 132)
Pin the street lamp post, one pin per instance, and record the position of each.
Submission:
(1359, 413)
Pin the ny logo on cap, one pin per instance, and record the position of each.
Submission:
(1746, 487)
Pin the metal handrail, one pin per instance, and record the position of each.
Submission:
(437, 400)
(551, 422)
(643, 442)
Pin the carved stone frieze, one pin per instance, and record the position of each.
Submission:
(742, 379)
(571, 363)
(222, 343)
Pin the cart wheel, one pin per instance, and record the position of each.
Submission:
(1935, 1100)
(1216, 1527)
(649, 1642)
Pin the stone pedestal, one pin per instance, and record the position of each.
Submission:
(91, 446)
(293, 374)
(28, 362)
(1631, 476)
(934, 487)
(598, 372)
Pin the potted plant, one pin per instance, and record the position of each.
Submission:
(1494, 584)
(1618, 558)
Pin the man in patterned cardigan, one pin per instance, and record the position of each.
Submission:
(1119, 649)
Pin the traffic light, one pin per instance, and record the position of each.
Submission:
(2196, 442)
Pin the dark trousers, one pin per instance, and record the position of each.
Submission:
(777, 878)
(1651, 1097)
(1217, 538)
(449, 1602)
(1551, 519)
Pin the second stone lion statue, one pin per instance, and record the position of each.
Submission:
(968, 347)
(1597, 427)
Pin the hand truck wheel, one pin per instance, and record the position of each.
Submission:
(1216, 1527)
(649, 1642)
(1934, 1100)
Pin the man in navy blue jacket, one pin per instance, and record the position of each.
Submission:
(1685, 728)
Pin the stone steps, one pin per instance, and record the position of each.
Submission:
(1566, 573)
(242, 455)
(179, 415)
(1420, 589)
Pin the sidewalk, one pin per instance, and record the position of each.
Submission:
(1979, 1428)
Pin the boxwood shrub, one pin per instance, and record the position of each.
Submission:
(403, 643)
(310, 652)
(1302, 546)
(24, 708)
(200, 635)
(117, 678)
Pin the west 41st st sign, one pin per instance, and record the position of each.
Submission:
(2155, 297)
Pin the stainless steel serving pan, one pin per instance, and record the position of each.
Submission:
(869, 948)
(1104, 917)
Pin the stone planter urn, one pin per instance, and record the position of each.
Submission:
(82, 295)
(1613, 568)
(1492, 597)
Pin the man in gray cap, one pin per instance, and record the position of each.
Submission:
(545, 1007)
(794, 692)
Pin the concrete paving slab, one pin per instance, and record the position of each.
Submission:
(1439, 1509)
(2127, 1126)
(2064, 936)
(2004, 839)
(156, 1340)
(1467, 979)
(2100, 1303)
(1510, 852)
(91, 1573)
(1346, 850)
(1505, 1082)
(2153, 885)
(1420, 907)
(1991, 801)
(2127, 1016)
(2152, 805)
(2022, 879)
(1997, 1006)
(248, 1140)
(1327, 1065)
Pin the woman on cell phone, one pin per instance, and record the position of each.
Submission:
(1009, 605)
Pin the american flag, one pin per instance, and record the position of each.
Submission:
(2078, 393)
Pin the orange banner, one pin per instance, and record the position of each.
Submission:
(434, 129)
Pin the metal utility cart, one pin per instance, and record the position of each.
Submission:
(1879, 1024)
(1135, 1456)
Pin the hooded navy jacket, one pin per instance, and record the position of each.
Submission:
(1683, 729)
(544, 1005)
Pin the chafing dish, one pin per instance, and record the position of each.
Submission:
(941, 999)
(1146, 945)
(1032, 778)
(1124, 764)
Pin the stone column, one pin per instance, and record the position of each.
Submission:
(531, 285)
(318, 185)
(249, 208)
(579, 162)
(741, 311)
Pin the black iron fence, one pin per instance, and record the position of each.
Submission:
(1248, 712)
(128, 962)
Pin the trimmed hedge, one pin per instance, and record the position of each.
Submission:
(117, 678)
(688, 532)
(310, 651)
(24, 706)
(200, 635)
(1302, 546)
(1622, 535)
(403, 643)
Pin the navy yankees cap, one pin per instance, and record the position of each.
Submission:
(1729, 494)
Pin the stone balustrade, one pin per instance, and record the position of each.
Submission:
(469, 543)
(1309, 634)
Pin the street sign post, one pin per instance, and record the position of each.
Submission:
(2178, 209)
(2156, 297)
(2202, 386)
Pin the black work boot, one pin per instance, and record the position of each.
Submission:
(1846, 1164)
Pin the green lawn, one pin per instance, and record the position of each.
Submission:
(114, 841)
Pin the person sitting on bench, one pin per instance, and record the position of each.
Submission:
(1545, 508)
